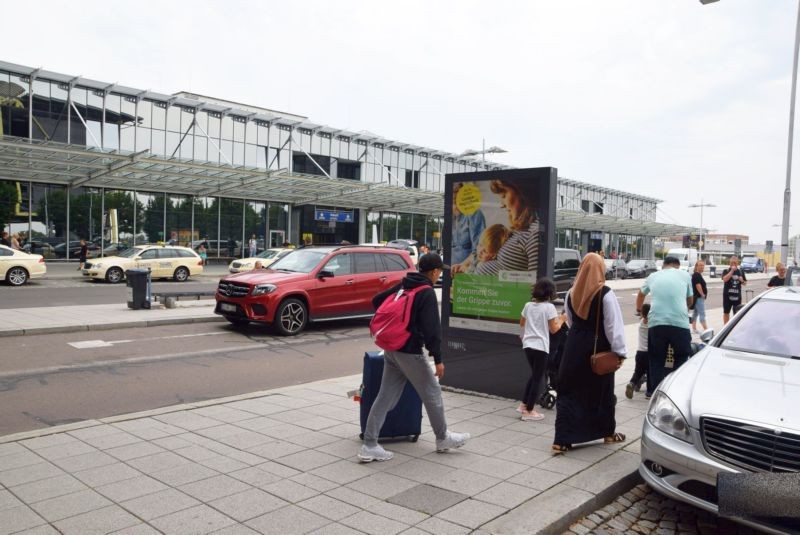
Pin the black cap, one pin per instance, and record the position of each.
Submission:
(430, 261)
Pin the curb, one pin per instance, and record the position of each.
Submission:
(108, 326)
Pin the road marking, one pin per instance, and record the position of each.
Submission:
(91, 344)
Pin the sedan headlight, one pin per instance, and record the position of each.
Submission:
(665, 416)
(98, 266)
(262, 289)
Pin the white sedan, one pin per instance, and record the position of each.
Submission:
(267, 257)
(17, 267)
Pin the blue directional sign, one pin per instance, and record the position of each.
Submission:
(333, 215)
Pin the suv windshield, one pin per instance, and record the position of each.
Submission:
(130, 253)
(300, 261)
(769, 328)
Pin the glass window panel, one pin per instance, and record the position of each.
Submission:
(126, 138)
(227, 151)
(85, 218)
(205, 223)
(143, 136)
(119, 216)
(201, 122)
(48, 218)
(93, 134)
(227, 127)
(418, 228)
(238, 131)
(158, 143)
(238, 154)
(200, 148)
(251, 135)
(256, 224)
(174, 118)
(145, 113)
(159, 116)
(77, 130)
(57, 130)
(172, 143)
(404, 226)
(179, 220)
(278, 218)
(261, 157)
(94, 107)
(110, 136)
(187, 116)
(263, 135)
(250, 155)
(389, 227)
(213, 127)
(41, 109)
(231, 226)
(113, 106)
(150, 229)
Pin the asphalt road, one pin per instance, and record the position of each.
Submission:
(55, 379)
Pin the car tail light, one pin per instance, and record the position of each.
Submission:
(41, 260)
(200, 263)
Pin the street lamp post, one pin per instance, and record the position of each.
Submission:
(702, 230)
(787, 192)
(483, 151)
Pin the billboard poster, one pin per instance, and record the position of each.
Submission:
(498, 238)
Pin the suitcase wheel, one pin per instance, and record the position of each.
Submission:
(414, 438)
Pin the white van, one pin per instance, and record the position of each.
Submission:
(688, 257)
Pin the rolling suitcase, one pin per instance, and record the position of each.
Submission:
(405, 420)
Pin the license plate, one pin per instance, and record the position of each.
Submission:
(227, 307)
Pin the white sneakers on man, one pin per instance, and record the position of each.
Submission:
(452, 440)
(375, 453)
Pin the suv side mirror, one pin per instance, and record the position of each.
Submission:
(324, 274)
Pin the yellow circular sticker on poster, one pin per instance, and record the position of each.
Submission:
(468, 199)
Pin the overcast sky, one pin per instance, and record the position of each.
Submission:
(665, 98)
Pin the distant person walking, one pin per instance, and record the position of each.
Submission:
(668, 337)
(700, 290)
(586, 401)
(82, 254)
(734, 278)
(410, 364)
(4, 240)
(253, 245)
(539, 320)
(780, 278)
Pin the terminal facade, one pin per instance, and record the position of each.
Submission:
(187, 168)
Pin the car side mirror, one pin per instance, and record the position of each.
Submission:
(707, 335)
(324, 274)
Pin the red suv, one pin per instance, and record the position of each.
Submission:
(312, 284)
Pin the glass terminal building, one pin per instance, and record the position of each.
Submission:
(80, 158)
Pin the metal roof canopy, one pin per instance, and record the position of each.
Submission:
(74, 165)
(618, 225)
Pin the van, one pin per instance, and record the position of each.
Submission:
(565, 267)
(688, 257)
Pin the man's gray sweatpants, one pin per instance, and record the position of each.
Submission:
(397, 369)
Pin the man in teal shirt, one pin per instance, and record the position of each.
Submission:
(668, 337)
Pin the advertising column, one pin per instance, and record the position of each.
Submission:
(498, 237)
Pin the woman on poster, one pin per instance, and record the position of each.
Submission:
(585, 403)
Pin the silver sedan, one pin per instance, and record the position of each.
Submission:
(733, 407)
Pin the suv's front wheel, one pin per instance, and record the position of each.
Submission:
(291, 317)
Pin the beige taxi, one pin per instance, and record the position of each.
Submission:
(17, 267)
(267, 257)
(163, 261)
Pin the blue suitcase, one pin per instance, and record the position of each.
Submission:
(405, 420)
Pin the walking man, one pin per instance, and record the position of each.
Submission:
(734, 279)
(668, 336)
(410, 364)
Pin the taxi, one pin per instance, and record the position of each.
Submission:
(163, 261)
(17, 267)
(267, 257)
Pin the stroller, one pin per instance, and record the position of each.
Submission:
(557, 343)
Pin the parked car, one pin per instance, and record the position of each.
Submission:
(60, 250)
(18, 267)
(312, 284)
(163, 261)
(753, 264)
(406, 245)
(731, 408)
(616, 268)
(565, 267)
(640, 269)
(267, 257)
(39, 247)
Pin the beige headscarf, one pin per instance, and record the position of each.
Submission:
(590, 279)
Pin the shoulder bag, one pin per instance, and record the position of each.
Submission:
(604, 362)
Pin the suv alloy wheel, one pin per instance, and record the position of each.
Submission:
(291, 317)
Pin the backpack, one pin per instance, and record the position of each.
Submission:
(389, 326)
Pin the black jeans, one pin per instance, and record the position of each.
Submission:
(659, 340)
(537, 360)
(642, 363)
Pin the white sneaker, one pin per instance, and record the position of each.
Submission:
(375, 453)
(452, 440)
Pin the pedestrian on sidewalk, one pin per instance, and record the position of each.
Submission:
(82, 254)
(780, 278)
(586, 401)
(668, 337)
(201, 250)
(700, 293)
(253, 245)
(642, 358)
(734, 278)
(539, 320)
(410, 364)
(4, 240)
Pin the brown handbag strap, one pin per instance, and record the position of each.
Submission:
(597, 326)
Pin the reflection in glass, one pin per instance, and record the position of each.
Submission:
(389, 227)
(119, 219)
(179, 220)
(278, 218)
(205, 223)
(255, 223)
(231, 226)
(151, 228)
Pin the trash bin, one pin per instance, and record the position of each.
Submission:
(139, 288)
(713, 272)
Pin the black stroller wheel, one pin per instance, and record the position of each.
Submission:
(548, 400)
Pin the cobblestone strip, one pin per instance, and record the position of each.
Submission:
(642, 511)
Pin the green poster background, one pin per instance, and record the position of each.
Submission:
(486, 297)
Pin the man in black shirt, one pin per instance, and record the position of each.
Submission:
(734, 279)
(780, 278)
(4, 240)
